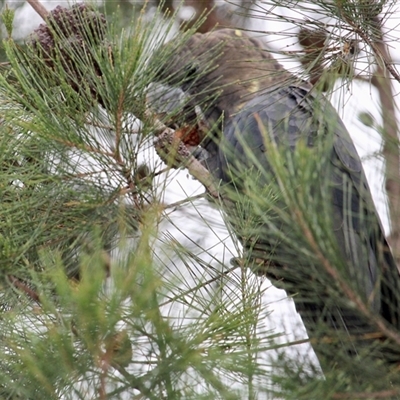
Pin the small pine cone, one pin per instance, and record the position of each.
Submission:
(80, 20)
(43, 41)
(68, 35)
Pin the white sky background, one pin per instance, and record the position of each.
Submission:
(211, 235)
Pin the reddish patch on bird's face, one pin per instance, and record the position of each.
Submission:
(189, 135)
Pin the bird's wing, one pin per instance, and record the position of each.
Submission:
(290, 114)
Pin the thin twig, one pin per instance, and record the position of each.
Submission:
(118, 125)
(169, 149)
(39, 8)
(158, 126)
(23, 287)
(166, 143)
(84, 147)
(172, 149)
(380, 56)
(184, 201)
(201, 285)
(390, 149)
(126, 171)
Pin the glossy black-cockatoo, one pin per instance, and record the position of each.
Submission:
(294, 191)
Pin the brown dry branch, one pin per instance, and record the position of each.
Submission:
(38, 7)
(24, 288)
(390, 150)
(381, 79)
(174, 153)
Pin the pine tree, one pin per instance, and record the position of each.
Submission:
(100, 300)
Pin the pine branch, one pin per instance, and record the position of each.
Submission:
(382, 58)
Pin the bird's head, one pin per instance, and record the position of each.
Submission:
(221, 71)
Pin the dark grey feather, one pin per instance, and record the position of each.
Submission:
(234, 79)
